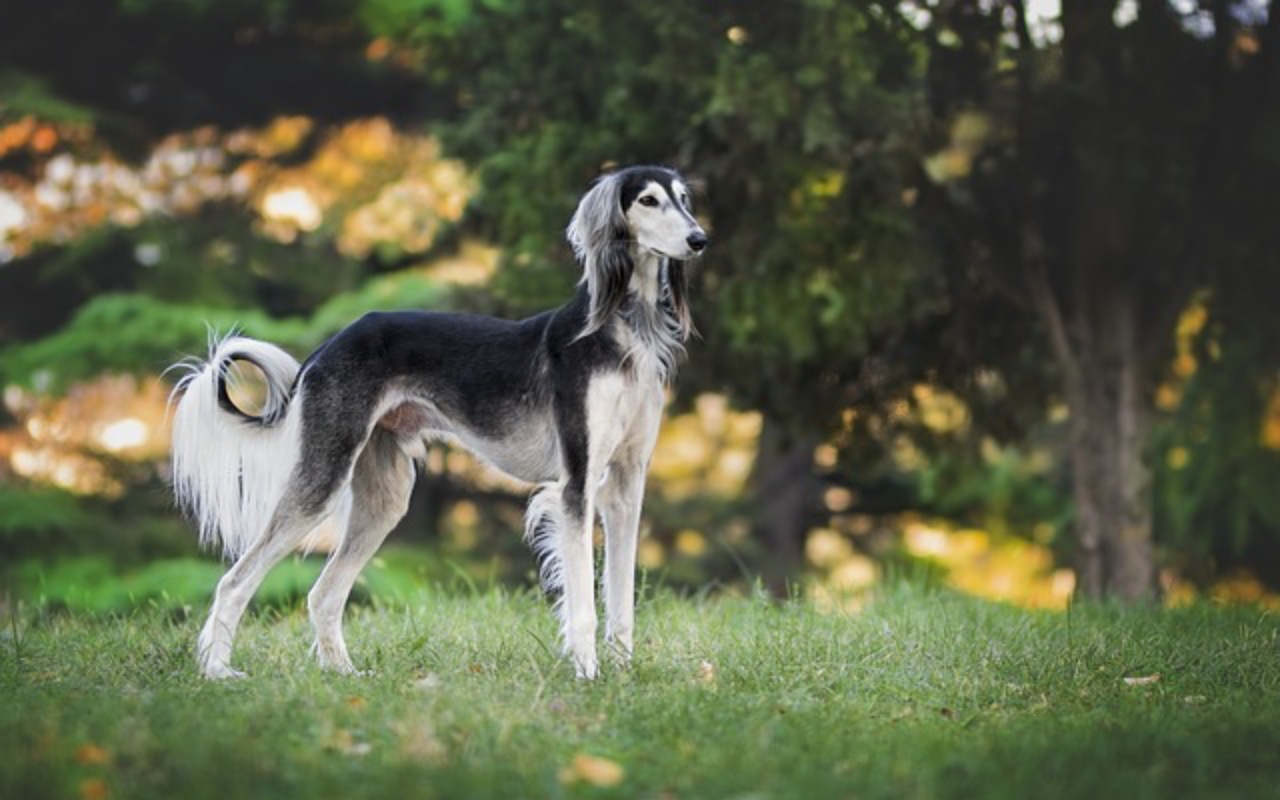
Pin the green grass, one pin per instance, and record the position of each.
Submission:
(923, 694)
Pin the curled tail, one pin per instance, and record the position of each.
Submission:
(230, 467)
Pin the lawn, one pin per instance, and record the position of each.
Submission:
(921, 694)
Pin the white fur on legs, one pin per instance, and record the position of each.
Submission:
(621, 498)
(578, 605)
(213, 649)
(620, 508)
(578, 609)
(238, 586)
(562, 541)
(380, 487)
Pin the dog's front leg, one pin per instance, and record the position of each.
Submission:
(578, 609)
(577, 612)
(620, 500)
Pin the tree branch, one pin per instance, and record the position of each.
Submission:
(1046, 304)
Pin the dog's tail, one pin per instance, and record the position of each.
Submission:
(230, 467)
(543, 529)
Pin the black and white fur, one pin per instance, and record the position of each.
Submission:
(569, 399)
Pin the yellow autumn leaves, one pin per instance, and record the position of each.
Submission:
(585, 768)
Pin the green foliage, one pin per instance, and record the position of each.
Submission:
(393, 292)
(138, 333)
(794, 119)
(1007, 494)
(25, 94)
(876, 192)
(29, 511)
(126, 333)
(96, 584)
(419, 20)
(1217, 497)
(203, 10)
(93, 584)
(922, 694)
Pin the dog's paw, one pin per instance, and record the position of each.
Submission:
(331, 655)
(221, 672)
(586, 669)
(619, 653)
(349, 670)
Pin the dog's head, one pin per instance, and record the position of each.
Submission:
(647, 208)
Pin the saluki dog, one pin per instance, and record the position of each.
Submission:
(569, 399)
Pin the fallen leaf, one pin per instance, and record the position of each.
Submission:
(1144, 680)
(706, 671)
(592, 770)
(91, 755)
(93, 789)
(419, 743)
(1195, 700)
(427, 682)
(356, 701)
(347, 744)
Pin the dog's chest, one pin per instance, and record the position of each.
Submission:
(621, 411)
(649, 348)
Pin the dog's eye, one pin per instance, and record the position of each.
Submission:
(649, 200)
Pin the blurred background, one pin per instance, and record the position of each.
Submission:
(991, 300)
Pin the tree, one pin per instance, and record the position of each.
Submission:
(145, 149)
(1100, 182)
(793, 115)
(906, 200)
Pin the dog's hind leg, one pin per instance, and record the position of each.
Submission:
(380, 488)
(289, 524)
(312, 493)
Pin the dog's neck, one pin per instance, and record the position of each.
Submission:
(646, 277)
(651, 339)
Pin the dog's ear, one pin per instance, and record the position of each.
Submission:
(676, 292)
(601, 241)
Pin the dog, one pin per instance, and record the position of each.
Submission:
(569, 400)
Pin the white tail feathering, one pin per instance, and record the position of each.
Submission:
(229, 471)
(543, 528)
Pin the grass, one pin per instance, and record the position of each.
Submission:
(923, 694)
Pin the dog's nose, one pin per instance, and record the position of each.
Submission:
(697, 241)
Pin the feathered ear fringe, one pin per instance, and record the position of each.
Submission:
(677, 295)
(601, 241)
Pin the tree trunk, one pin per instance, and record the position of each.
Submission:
(784, 485)
(1111, 478)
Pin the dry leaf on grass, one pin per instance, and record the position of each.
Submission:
(344, 742)
(90, 755)
(592, 770)
(706, 672)
(427, 682)
(419, 743)
(1143, 680)
(93, 789)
